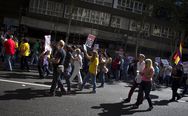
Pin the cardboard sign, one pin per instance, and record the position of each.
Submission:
(85, 48)
(185, 67)
(48, 43)
(165, 62)
(90, 40)
(158, 60)
(96, 47)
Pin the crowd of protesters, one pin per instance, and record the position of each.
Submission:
(66, 62)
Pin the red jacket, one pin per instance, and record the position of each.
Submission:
(10, 47)
(116, 64)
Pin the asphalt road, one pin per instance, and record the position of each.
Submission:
(30, 99)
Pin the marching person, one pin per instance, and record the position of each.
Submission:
(58, 69)
(10, 47)
(146, 84)
(77, 62)
(177, 73)
(67, 67)
(102, 69)
(25, 52)
(92, 73)
(137, 81)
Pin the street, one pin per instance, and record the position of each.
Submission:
(23, 94)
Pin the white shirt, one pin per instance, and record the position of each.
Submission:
(168, 70)
(79, 61)
(140, 68)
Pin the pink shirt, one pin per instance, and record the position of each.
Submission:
(151, 71)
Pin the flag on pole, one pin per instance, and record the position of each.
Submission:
(178, 54)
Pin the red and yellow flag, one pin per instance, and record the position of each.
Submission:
(178, 54)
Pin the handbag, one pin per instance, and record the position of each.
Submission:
(60, 68)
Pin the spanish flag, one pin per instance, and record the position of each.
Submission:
(178, 54)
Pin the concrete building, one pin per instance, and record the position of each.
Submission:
(126, 24)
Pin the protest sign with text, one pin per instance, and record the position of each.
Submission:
(90, 40)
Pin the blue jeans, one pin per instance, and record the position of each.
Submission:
(117, 74)
(102, 78)
(57, 81)
(8, 64)
(86, 79)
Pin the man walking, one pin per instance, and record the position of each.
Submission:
(58, 69)
(9, 52)
(137, 81)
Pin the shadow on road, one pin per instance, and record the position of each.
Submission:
(116, 109)
(21, 75)
(24, 94)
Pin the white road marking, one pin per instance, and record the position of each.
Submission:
(25, 83)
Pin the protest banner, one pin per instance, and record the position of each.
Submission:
(165, 62)
(185, 67)
(96, 46)
(48, 43)
(120, 52)
(158, 60)
(90, 40)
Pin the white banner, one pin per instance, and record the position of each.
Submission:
(96, 47)
(185, 67)
(90, 40)
(158, 60)
(165, 62)
(48, 43)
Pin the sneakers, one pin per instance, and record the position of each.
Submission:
(179, 97)
(135, 106)
(94, 91)
(150, 108)
(127, 100)
(172, 100)
(101, 86)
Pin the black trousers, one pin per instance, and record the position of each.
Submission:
(24, 62)
(175, 86)
(145, 87)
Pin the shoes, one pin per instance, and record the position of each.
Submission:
(101, 86)
(150, 108)
(94, 91)
(51, 94)
(179, 97)
(127, 100)
(81, 87)
(172, 100)
(69, 92)
(135, 106)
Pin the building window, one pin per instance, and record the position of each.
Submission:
(46, 7)
(161, 31)
(135, 6)
(101, 2)
(138, 27)
(87, 15)
(156, 31)
(120, 22)
(138, 6)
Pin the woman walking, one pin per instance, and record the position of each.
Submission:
(94, 62)
(77, 62)
(146, 84)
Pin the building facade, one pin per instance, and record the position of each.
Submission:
(117, 24)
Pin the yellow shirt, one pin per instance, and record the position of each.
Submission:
(93, 66)
(16, 44)
(25, 49)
